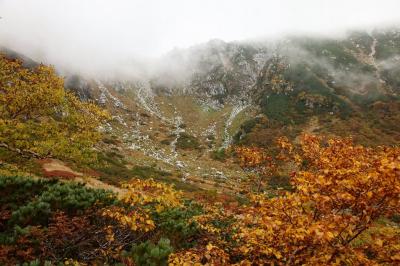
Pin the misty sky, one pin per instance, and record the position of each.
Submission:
(95, 32)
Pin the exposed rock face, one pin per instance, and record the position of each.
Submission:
(79, 85)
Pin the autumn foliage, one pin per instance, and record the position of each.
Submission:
(342, 192)
(38, 118)
(341, 208)
(258, 161)
(340, 212)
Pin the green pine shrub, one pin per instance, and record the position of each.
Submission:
(150, 254)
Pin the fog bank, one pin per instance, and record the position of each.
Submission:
(103, 35)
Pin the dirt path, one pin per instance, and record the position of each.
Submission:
(97, 184)
(56, 168)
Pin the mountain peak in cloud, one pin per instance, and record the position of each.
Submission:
(92, 36)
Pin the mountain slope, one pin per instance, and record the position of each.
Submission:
(202, 99)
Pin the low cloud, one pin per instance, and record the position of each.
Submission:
(126, 36)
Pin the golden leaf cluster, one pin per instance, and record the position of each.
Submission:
(38, 118)
(341, 193)
(142, 197)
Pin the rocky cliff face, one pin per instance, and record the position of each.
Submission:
(328, 75)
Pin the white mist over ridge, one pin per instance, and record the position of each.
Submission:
(98, 37)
